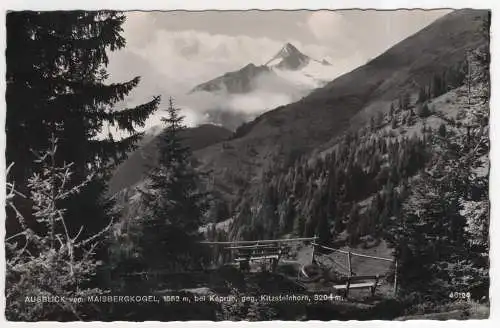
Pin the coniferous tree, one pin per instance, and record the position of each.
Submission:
(56, 73)
(437, 234)
(353, 225)
(372, 124)
(411, 118)
(424, 111)
(437, 85)
(422, 95)
(323, 230)
(394, 123)
(482, 57)
(428, 235)
(174, 206)
(299, 225)
(442, 130)
(379, 119)
(405, 101)
(391, 111)
(267, 214)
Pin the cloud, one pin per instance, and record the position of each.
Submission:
(180, 60)
(191, 56)
(171, 63)
(138, 28)
(270, 91)
(327, 26)
(367, 33)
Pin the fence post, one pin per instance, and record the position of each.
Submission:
(349, 263)
(395, 277)
(314, 249)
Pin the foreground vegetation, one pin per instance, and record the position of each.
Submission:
(425, 194)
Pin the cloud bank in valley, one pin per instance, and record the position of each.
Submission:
(172, 59)
(171, 63)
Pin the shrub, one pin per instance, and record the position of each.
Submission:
(46, 262)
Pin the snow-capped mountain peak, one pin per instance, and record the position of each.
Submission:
(289, 50)
(289, 57)
(288, 67)
(294, 66)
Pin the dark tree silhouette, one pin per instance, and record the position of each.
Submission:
(173, 204)
(56, 73)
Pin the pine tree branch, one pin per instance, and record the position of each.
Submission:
(127, 118)
(95, 236)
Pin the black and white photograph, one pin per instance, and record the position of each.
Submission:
(247, 165)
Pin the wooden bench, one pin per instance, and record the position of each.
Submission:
(245, 254)
(255, 258)
(359, 282)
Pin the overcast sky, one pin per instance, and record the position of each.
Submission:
(174, 51)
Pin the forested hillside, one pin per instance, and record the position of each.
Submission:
(375, 161)
(283, 134)
(416, 176)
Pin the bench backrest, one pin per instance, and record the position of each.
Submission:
(361, 278)
(259, 250)
(354, 279)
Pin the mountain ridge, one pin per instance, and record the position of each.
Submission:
(134, 168)
(344, 103)
(244, 80)
(240, 81)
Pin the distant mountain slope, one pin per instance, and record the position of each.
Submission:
(288, 59)
(132, 170)
(239, 96)
(346, 102)
(241, 81)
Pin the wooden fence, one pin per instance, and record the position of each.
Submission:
(273, 249)
(349, 254)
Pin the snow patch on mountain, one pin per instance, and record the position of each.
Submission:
(294, 66)
(313, 75)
